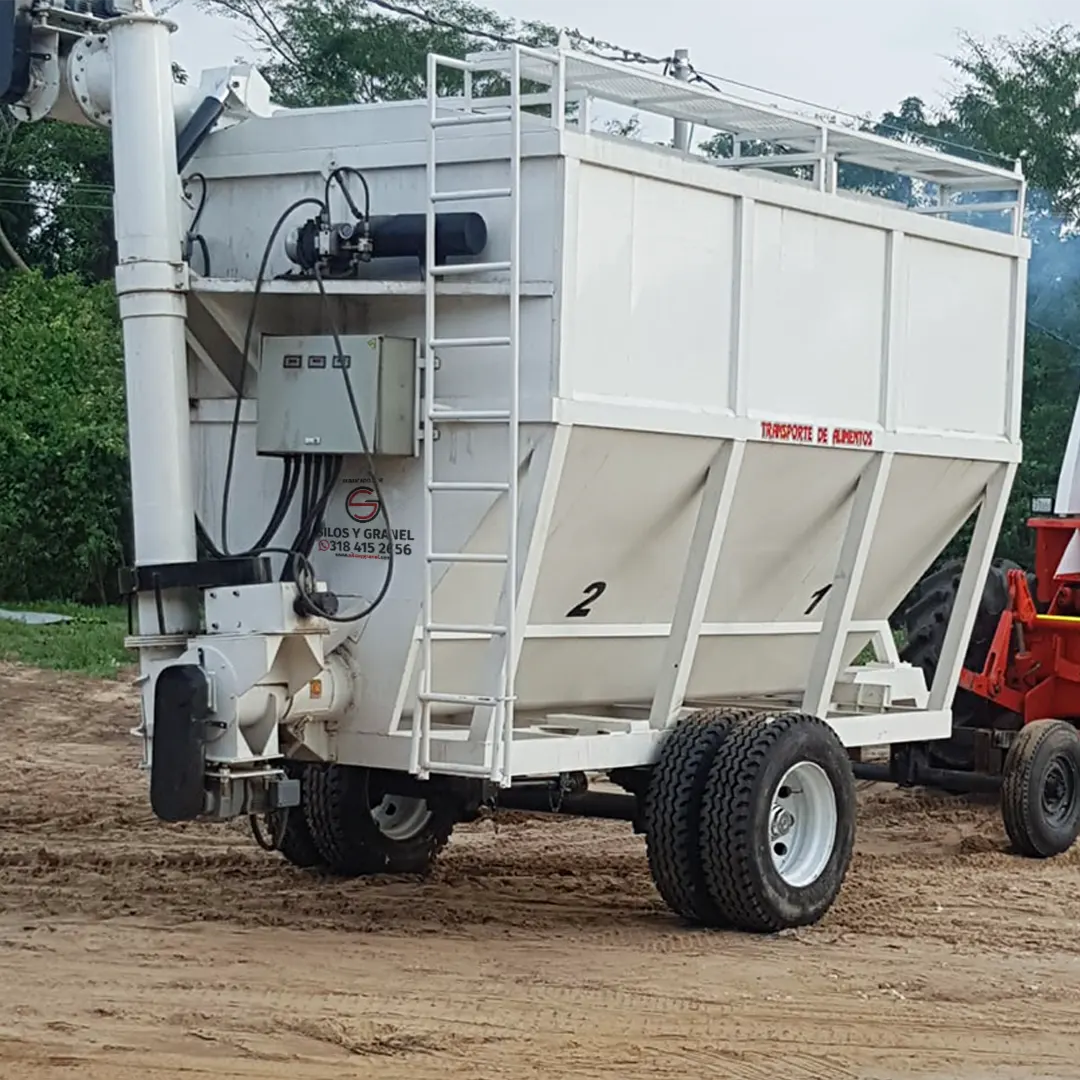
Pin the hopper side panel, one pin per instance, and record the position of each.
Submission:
(816, 315)
(955, 339)
(926, 503)
(649, 318)
(787, 524)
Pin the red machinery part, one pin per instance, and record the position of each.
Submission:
(1033, 665)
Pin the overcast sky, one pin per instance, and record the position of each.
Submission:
(845, 54)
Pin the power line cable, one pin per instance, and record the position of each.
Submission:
(629, 55)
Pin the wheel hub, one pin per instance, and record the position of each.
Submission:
(401, 817)
(803, 823)
(1060, 790)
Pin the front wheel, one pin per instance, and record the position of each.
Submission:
(778, 822)
(1040, 791)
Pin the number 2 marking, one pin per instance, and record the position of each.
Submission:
(592, 593)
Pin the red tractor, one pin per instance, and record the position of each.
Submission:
(1017, 708)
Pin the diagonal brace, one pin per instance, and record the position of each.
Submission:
(697, 583)
(854, 552)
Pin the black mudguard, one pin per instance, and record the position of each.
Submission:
(181, 706)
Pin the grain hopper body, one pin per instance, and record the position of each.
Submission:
(675, 317)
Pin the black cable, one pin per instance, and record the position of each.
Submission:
(203, 538)
(278, 820)
(310, 501)
(198, 238)
(334, 467)
(194, 237)
(301, 586)
(314, 507)
(248, 333)
(202, 200)
(289, 478)
(338, 174)
(309, 463)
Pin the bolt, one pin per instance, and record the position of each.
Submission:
(783, 821)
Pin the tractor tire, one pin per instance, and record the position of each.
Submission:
(1040, 791)
(672, 812)
(777, 823)
(924, 618)
(360, 827)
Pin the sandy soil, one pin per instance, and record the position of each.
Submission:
(129, 949)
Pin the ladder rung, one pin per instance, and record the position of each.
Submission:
(469, 343)
(476, 193)
(467, 557)
(468, 485)
(468, 268)
(462, 415)
(460, 699)
(470, 118)
(465, 628)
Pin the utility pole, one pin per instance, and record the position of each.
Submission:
(681, 71)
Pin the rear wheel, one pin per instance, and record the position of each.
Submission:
(1040, 792)
(924, 618)
(361, 825)
(672, 813)
(778, 823)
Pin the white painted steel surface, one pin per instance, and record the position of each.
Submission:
(749, 408)
(150, 281)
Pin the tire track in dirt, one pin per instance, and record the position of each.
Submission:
(537, 948)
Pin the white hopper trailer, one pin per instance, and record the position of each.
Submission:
(476, 454)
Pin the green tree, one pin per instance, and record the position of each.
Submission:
(64, 482)
(336, 52)
(59, 177)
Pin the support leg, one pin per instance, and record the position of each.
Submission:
(969, 592)
(836, 625)
(697, 582)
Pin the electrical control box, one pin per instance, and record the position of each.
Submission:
(304, 403)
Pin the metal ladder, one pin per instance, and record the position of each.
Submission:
(497, 706)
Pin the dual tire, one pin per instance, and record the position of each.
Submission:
(750, 820)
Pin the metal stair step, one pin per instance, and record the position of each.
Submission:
(445, 416)
(468, 485)
(468, 557)
(460, 269)
(471, 196)
(470, 343)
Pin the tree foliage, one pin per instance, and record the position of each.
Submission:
(63, 485)
(57, 194)
(335, 52)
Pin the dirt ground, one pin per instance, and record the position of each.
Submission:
(130, 949)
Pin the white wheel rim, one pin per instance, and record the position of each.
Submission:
(802, 824)
(401, 817)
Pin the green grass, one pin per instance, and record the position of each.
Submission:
(93, 643)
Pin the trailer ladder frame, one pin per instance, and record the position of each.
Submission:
(493, 709)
